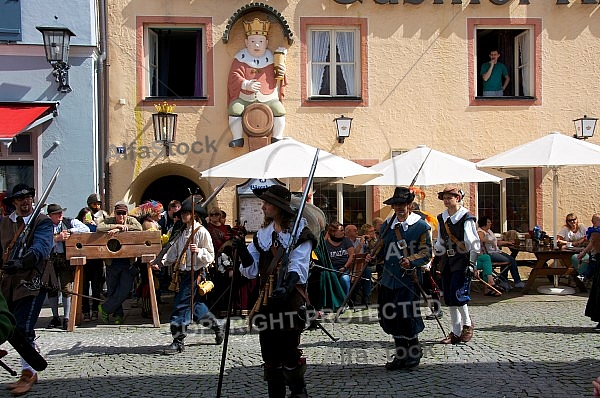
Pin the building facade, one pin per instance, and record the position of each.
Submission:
(42, 128)
(408, 73)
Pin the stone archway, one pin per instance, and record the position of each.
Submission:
(167, 188)
(165, 182)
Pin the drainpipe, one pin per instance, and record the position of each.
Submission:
(103, 101)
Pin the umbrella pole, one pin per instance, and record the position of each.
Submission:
(555, 204)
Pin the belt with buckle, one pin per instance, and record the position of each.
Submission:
(451, 252)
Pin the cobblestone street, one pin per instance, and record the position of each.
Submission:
(524, 346)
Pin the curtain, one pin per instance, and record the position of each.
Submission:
(345, 47)
(198, 70)
(163, 65)
(320, 51)
(524, 62)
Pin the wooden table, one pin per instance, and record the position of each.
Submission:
(541, 267)
(100, 245)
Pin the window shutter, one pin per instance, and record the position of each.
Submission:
(10, 20)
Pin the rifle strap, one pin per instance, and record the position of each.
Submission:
(12, 242)
(401, 239)
(459, 245)
(187, 243)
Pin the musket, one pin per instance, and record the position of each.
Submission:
(17, 249)
(285, 256)
(487, 284)
(215, 193)
(175, 233)
(378, 245)
(227, 322)
(373, 254)
(340, 272)
(37, 284)
(293, 237)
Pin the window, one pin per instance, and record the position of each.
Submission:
(16, 165)
(333, 67)
(335, 56)
(514, 46)
(10, 20)
(340, 202)
(175, 62)
(518, 42)
(511, 211)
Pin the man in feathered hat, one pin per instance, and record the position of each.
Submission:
(407, 247)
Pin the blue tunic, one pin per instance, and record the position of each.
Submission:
(399, 296)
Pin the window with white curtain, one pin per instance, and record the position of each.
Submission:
(334, 62)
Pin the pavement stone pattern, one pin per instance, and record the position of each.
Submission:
(524, 346)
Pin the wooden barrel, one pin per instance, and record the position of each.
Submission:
(257, 120)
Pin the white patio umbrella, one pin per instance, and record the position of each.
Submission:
(433, 167)
(287, 158)
(551, 151)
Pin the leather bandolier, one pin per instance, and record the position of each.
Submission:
(456, 255)
(279, 314)
(12, 286)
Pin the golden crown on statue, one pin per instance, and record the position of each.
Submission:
(257, 27)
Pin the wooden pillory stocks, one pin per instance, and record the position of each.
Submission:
(100, 245)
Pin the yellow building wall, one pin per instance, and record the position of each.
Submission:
(418, 92)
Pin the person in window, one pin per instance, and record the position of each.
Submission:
(492, 73)
(253, 77)
(491, 246)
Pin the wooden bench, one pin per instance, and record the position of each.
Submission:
(100, 245)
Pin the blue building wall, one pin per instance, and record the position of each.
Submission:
(25, 75)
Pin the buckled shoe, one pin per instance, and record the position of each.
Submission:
(451, 339)
(467, 333)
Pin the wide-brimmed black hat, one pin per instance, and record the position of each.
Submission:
(19, 190)
(401, 195)
(277, 196)
(186, 205)
(55, 208)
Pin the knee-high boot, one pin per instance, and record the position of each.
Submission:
(275, 381)
(400, 356)
(414, 353)
(178, 333)
(294, 378)
(211, 321)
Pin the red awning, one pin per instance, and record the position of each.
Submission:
(16, 118)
